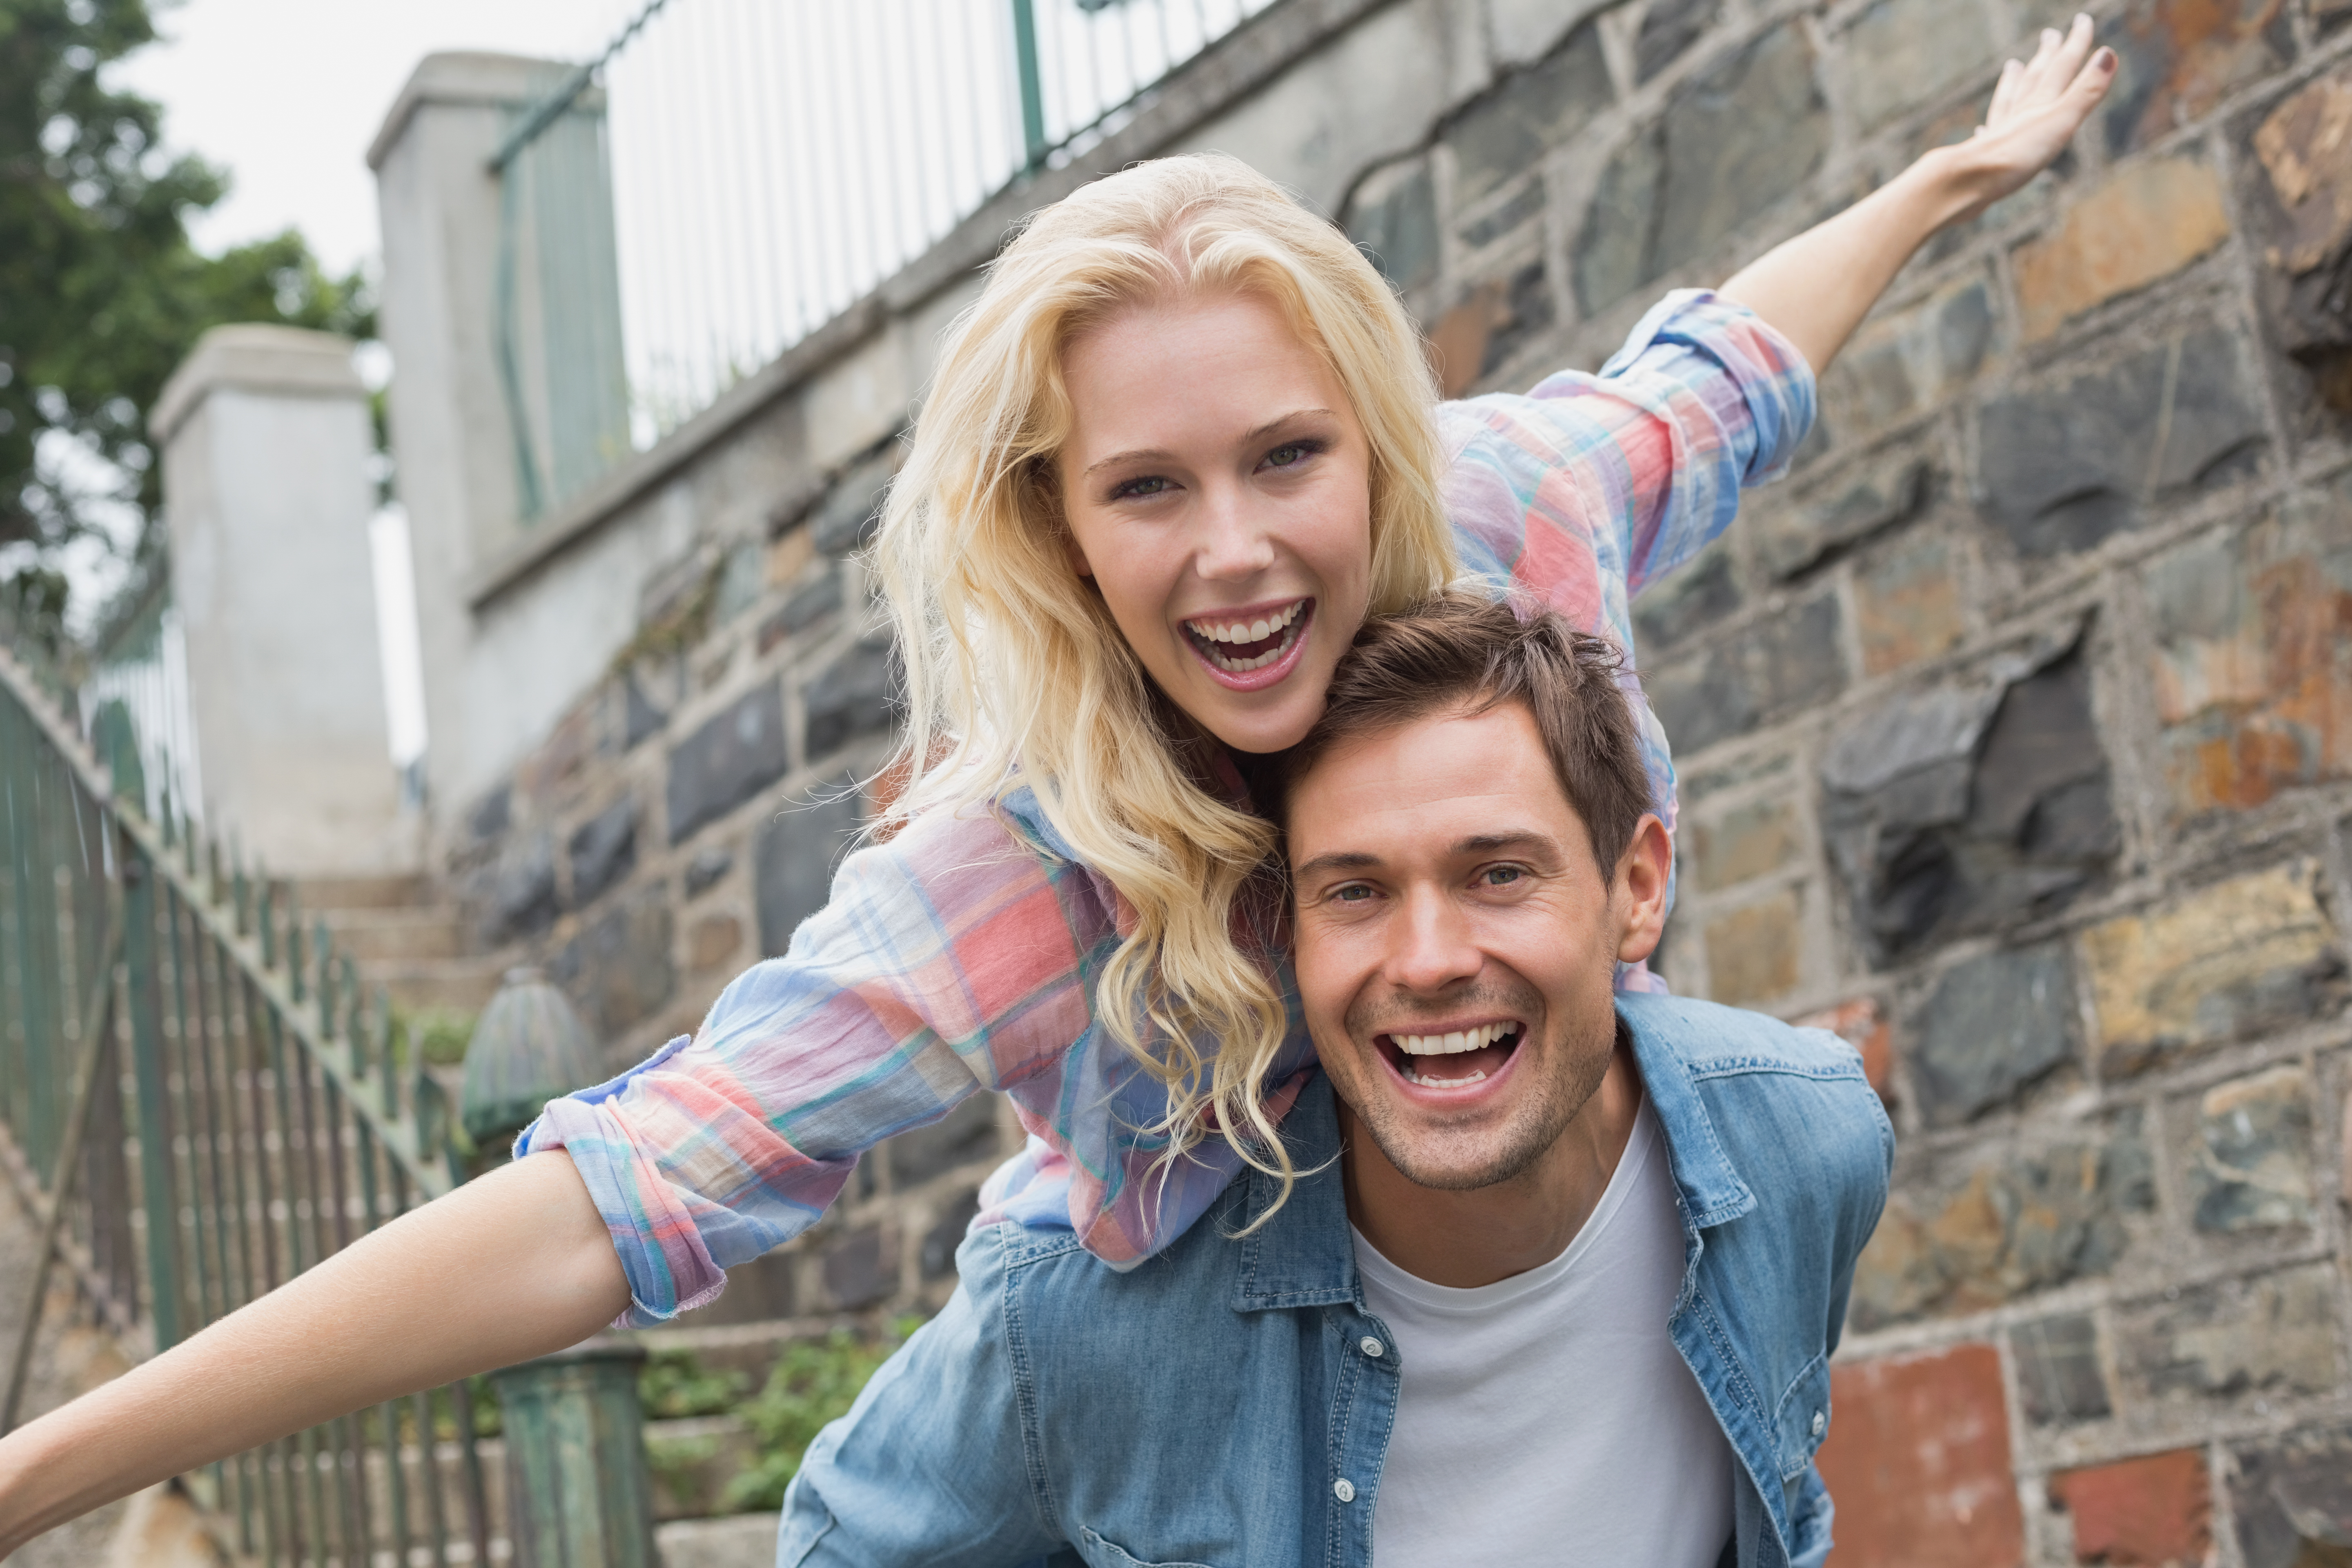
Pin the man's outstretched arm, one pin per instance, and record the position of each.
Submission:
(1816, 287)
(510, 1267)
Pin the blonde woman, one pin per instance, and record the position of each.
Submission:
(1182, 446)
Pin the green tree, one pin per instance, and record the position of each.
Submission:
(101, 294)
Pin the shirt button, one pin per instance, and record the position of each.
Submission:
(1370, 1346)
(1344, 1490)
(1820, 1421)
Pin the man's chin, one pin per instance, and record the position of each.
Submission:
(1456, 1162)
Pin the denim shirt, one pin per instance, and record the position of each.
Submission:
(1221, 1404)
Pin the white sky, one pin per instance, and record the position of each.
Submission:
(289, 93)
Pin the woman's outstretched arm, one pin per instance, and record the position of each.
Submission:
(510, 1267)
(1816, 287)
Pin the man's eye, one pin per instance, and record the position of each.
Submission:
(1353, 893)
(1150, 485)
(1502, 875)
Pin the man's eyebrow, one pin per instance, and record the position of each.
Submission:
(1488, 843)
(1157, 454)
(1337, 861)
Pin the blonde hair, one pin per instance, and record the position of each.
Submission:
(1017, 674)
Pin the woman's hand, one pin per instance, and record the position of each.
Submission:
(2036, 108)
(1817, 287)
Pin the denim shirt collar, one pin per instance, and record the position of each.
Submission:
(1304, 1255)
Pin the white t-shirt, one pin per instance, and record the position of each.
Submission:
(1549, 1417)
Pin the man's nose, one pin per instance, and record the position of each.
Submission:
(1431, 947)
(1233, 542)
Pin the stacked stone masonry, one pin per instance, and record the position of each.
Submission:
(2015, 726)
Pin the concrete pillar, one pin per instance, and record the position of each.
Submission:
(457, 240)
(266, 441)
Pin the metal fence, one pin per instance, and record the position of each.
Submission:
(198, 1103)
(730, 174)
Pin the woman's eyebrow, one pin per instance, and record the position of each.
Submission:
(1159, 455)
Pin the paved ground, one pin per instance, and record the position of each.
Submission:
(153, 1529)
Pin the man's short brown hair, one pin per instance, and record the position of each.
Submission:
(1458, 652)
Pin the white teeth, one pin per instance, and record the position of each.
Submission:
(1459, 1040)
(1255, 631)
(1248, 631)
(1444, 1082)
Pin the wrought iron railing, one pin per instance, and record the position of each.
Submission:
(728, 175)
(198, 1103)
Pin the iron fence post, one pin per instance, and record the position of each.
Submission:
(1033, 83)
(579, 1490)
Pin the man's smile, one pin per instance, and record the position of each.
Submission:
(1450, 1055)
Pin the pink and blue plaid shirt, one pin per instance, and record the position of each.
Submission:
(961, 954)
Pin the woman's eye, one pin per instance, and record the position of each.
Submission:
(1150, 485)
(1290, 454)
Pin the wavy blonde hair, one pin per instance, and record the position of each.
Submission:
(1017, 674)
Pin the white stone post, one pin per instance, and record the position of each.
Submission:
(266, 441)
(459, 466)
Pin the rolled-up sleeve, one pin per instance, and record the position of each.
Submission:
(946, 961)
(1588, 483)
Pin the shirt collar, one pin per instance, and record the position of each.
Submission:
(1304, 1256)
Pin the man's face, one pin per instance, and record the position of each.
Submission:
(1458, 943)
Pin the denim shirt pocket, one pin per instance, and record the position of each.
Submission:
(1101, 1553)
(1803, 1419)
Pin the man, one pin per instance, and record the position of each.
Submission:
(1564, 1280)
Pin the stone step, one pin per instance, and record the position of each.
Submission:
(441, 986)
(380, 936)
(364, 892)
(741, 1540)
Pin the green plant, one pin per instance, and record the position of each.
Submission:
(440, 1037)
(674, 1385)
(814, 1381)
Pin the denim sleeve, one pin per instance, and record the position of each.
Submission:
(929, 1466)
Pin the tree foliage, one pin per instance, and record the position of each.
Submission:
(101, 293)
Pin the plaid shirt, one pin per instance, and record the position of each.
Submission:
(960, 956)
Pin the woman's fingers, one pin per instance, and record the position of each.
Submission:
(2055, 68)
(2004, 92)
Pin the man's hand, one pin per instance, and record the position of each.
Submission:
(2036, 108)
(1817, 287)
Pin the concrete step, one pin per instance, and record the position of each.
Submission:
(380, 936)
(363, 892)
(743, 1541)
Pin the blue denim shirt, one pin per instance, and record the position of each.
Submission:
(1217, 1406)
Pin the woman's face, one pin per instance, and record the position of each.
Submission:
(1218, 489)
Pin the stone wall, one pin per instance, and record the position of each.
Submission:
(2015, 728)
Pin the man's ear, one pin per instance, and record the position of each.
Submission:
(1643, 872)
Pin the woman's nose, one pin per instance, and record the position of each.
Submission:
(1231, 543)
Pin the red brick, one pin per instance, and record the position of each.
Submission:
(2155, 1511)
(1917, 1460)
(1861, 1024)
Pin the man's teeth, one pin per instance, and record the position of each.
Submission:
(1413, 1076)
(1459, 1040)
(1258, 630)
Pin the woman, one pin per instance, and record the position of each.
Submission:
(1181, 446)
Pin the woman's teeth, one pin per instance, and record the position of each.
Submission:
(1211, 633)
(1459, 1040)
